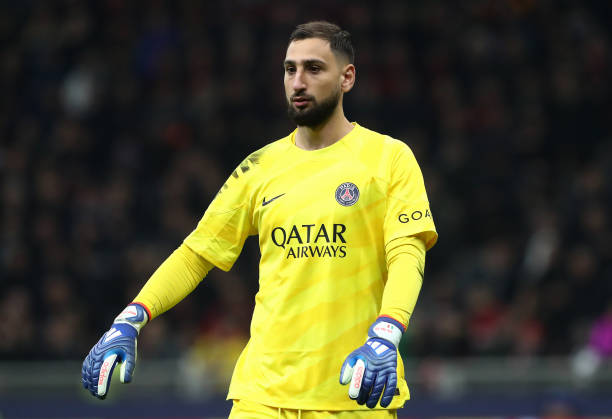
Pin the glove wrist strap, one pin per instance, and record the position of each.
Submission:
(135, 315)
(388, 329)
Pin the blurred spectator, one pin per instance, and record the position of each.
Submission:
(600, 339)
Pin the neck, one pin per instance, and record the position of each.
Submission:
(324, 135)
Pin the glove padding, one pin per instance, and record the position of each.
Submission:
(118, 345)
(372, 368)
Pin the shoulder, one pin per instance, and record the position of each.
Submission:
(265, 155)
(260, 159)
(253, 167)
(383, 145)
(369, 136)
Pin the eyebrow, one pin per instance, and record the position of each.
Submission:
(310, 61)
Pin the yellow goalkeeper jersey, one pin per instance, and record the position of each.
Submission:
(323, 218)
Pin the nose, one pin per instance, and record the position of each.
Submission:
(298, 81)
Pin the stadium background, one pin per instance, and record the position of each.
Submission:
(120, 120)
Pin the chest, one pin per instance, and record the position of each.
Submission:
(320, 200)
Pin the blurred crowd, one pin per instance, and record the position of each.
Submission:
(121, 119)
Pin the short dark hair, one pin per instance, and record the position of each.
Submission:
(339, 39)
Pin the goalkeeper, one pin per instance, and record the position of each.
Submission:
(343, 221)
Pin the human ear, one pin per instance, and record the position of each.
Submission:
(347, 77)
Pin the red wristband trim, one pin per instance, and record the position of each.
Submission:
(145, 308)
(393, 318)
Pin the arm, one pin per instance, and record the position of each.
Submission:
(216, 241)
(175, 278)
(406, 265)
(372, 368)
(408, 230)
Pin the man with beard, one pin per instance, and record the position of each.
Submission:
(343, 222)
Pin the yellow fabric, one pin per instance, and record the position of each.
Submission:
(323, 267)
(406, 265)
(175, 278)
(245, 409)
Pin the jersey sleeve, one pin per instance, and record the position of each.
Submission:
(175, 278)
(408, 212)
(220, 234)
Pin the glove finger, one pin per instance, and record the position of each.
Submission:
(346, 372)
(377, 388)
(389, 392)
(85, 376)
(366, 385)
(89, 374)
(127, 369)
(357, 378)
(106, 372)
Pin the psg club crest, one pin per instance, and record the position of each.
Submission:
(347, 194)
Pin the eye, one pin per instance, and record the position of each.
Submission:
(290, 70)
(314, 69)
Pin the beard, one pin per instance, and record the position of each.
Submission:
(316, 114)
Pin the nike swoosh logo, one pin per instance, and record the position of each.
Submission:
(264, 203)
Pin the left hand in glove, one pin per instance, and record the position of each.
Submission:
(372, 368)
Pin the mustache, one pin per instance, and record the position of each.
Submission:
(301, 96)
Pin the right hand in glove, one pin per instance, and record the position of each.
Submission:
(118, 345)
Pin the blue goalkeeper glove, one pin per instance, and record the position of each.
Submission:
(371, 369)
(118, 345)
